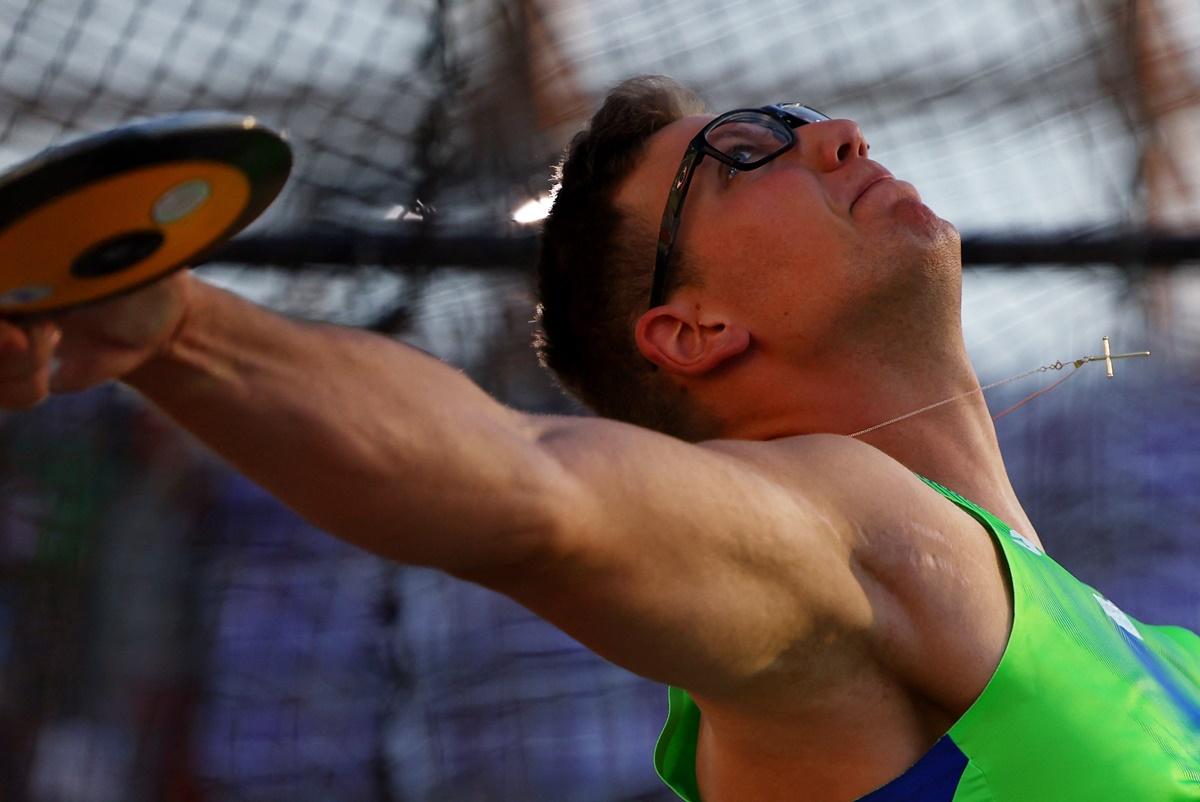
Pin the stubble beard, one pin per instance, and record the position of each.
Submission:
(912, 294)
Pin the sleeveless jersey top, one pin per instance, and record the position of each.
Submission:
(1086, 705)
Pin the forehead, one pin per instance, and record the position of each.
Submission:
(644, 191)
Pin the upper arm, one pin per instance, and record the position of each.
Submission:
(700, 565)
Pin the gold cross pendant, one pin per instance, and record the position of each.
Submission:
(1107, 358)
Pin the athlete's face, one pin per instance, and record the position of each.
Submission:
(820, 239)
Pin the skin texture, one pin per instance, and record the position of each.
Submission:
(830, 613)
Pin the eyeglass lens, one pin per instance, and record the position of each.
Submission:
(749, 137)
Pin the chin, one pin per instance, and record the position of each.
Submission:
(911, 213)
(929, 239)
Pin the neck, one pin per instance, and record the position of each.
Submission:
(954, 445)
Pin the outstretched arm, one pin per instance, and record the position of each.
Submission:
(703, 565)
(372, 440)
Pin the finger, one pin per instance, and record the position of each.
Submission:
(12, 338)
(25, 372)
(23, 351)
(44, 338)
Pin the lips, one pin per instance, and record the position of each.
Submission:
(871, 180)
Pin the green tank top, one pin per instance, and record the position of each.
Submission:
(1086, 705)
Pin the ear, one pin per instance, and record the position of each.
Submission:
(678, 339)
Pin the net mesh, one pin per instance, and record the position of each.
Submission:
(167, 631)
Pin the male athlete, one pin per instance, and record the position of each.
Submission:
(834, 622)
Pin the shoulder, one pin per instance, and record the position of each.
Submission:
(847, 476)
(934, 579)
(729, 564)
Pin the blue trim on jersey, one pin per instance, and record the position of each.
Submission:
(1154, 667)
(933, 778)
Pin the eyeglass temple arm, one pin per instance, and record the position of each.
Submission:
(670, 225)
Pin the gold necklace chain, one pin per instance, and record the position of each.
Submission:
(1107, 357)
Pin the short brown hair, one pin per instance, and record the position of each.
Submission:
(596, 265)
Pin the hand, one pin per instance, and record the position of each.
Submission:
(86, 347)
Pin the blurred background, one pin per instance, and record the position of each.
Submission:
(169, 632)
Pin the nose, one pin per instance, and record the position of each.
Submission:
(831, 143)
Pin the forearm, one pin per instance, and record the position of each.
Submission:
(372, 440)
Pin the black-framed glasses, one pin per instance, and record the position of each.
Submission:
(743, 139)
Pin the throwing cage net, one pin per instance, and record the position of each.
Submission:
(169, 632)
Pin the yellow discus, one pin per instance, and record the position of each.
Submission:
(110, 212)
